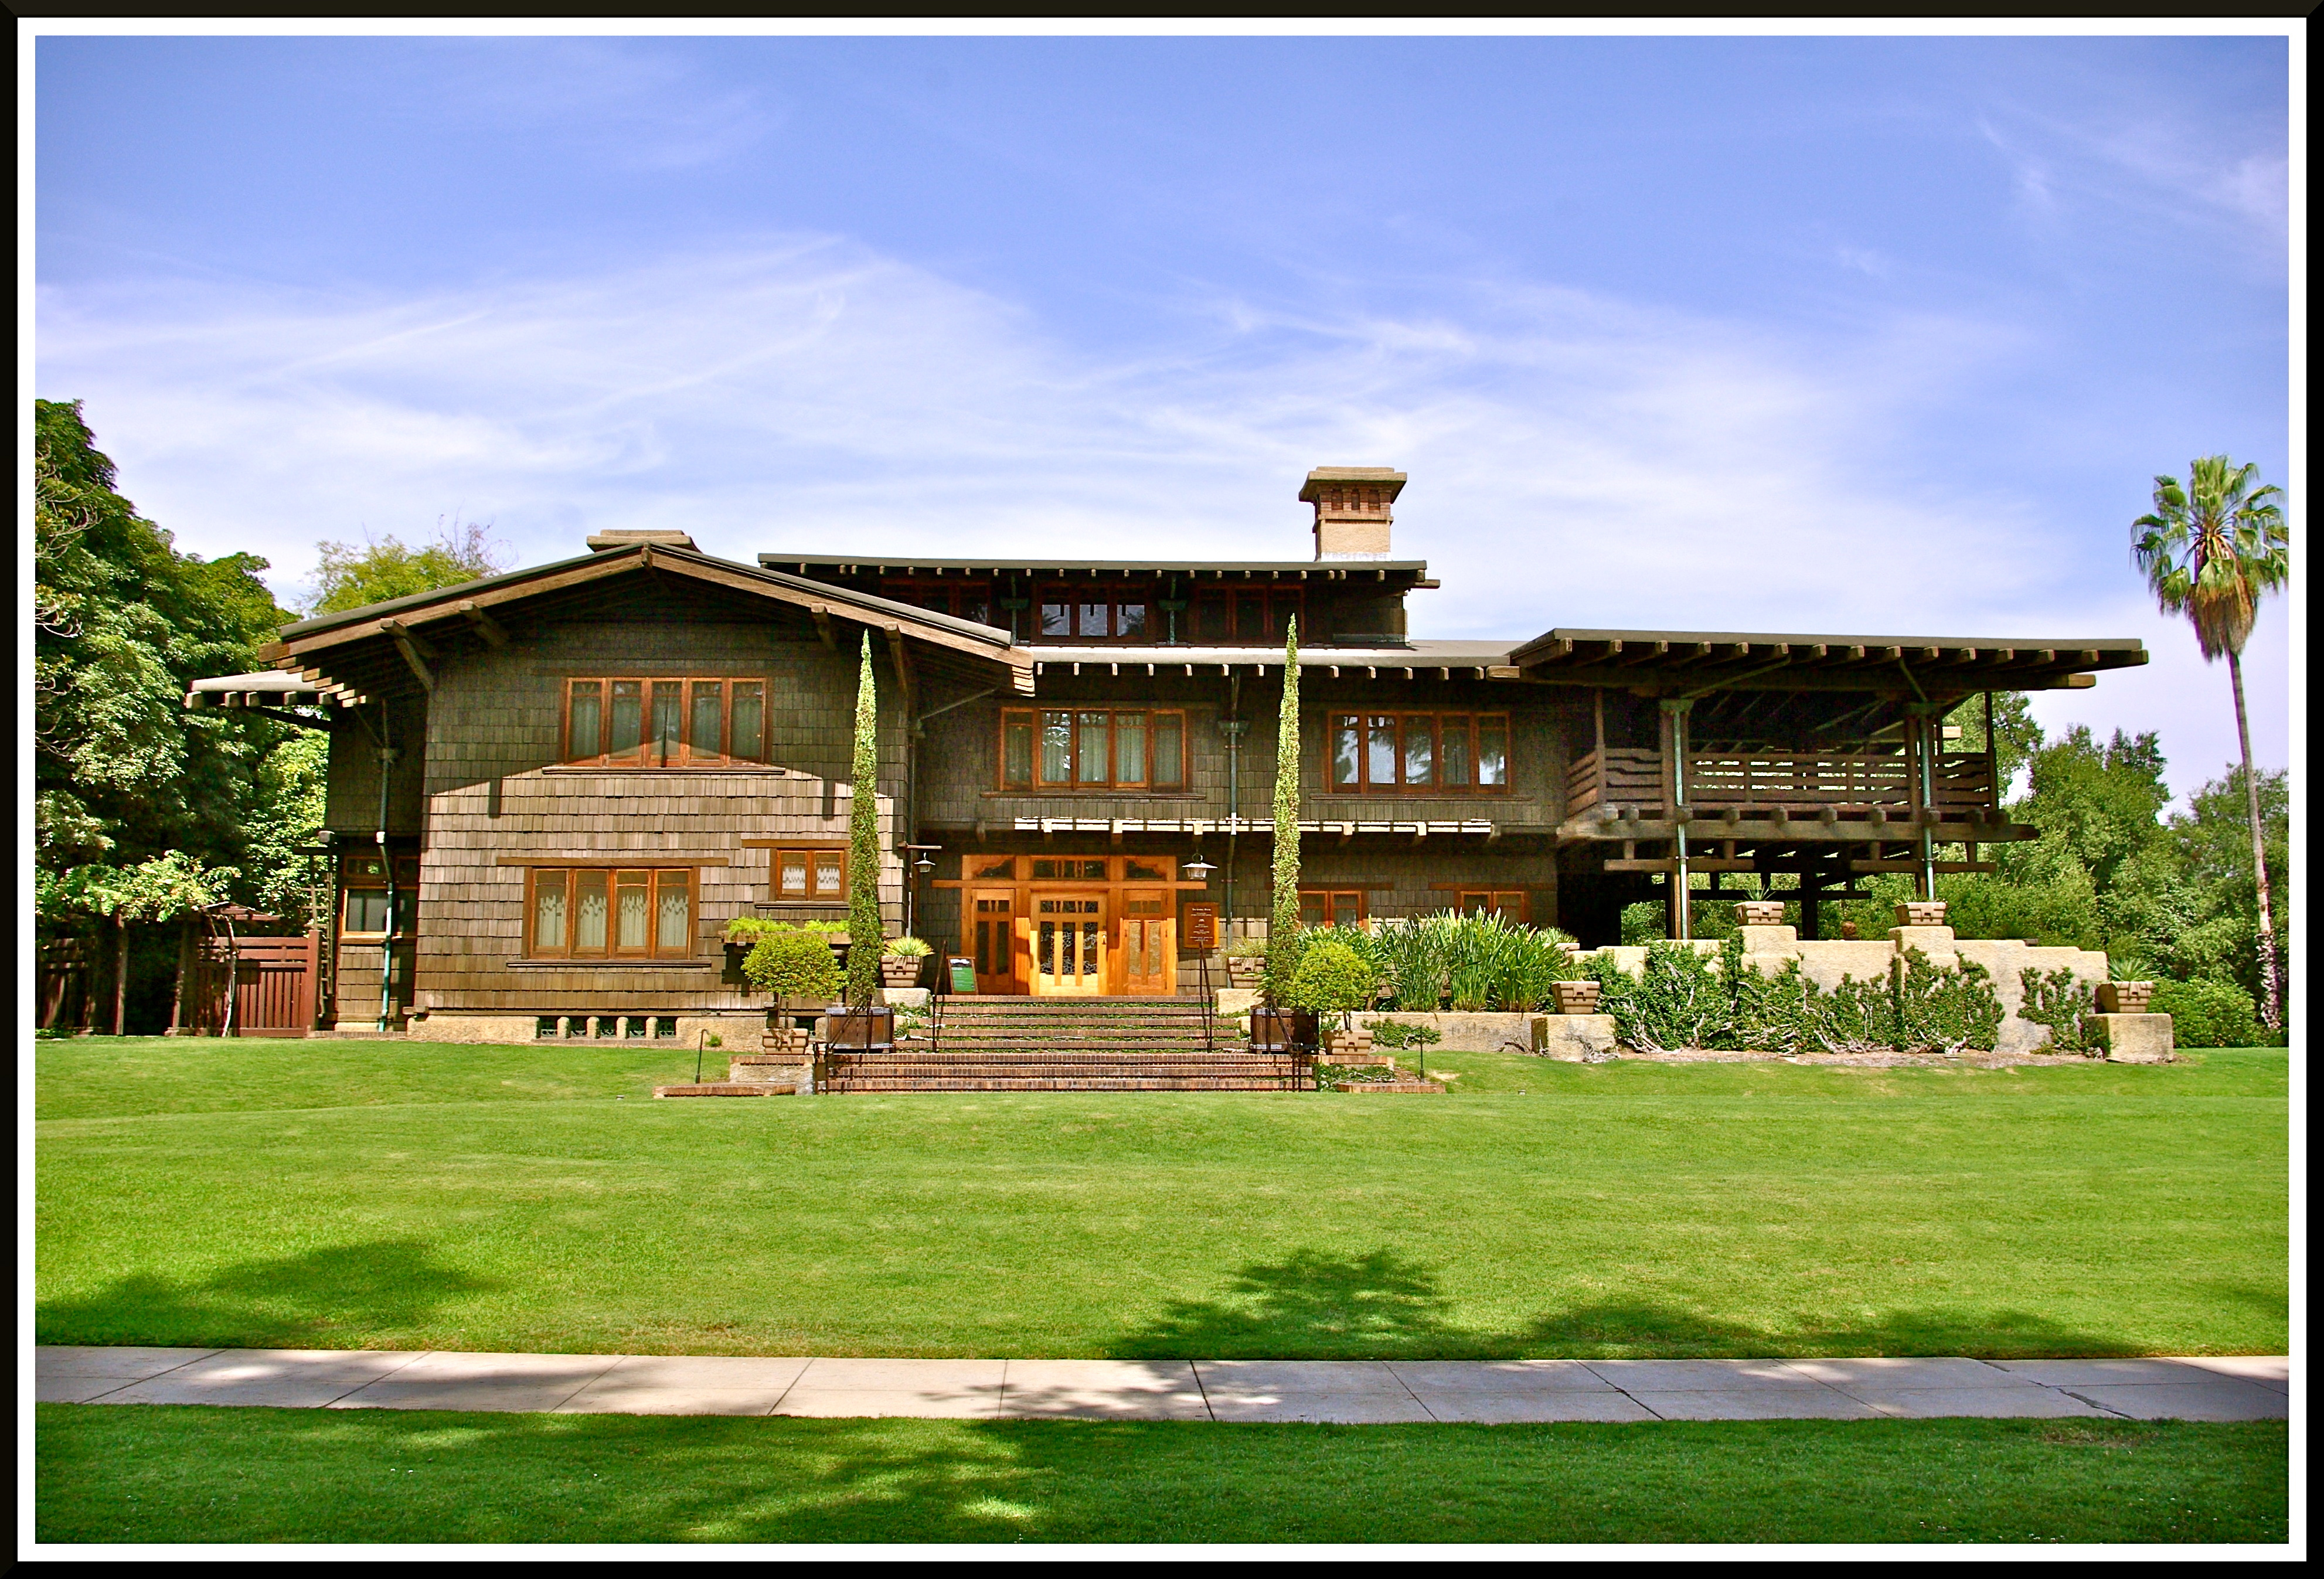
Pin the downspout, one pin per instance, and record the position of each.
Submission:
(1233, 726)
(387, 947)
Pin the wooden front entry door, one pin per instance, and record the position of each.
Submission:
(993, 939)
(1069, 935)
(1149, 942)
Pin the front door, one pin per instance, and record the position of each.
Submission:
(1149, 942)
(1069, 935)
(993, 937)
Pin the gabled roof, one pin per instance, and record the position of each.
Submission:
(309, 646)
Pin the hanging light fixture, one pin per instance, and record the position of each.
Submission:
(1198, 869)
(924, 865)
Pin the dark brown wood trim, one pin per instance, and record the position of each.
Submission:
(620, 860)
(800, 842)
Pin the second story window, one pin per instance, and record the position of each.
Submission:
(1440, 754)
(1092, 748)
(1239, 615)
(665, 722)
(1094, 614)
(962, 600)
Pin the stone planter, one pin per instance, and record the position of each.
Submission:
(1350, 1045)
(900, 970)
(1246, 972)
(1759, 912)
(1921, 913)
(2125, 997)
(1575, 997)
(790, 1039)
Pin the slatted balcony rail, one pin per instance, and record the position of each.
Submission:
(1963, 780)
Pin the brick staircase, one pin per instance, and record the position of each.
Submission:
(1069, 1044)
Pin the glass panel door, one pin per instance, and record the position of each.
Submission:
(993, 937)
(1069, 945)
(1149, 943)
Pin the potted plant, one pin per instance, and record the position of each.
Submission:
(899, 962)
(1331, 979)
(792, 964)
(1246, 962)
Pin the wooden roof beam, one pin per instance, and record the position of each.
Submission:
(489, 628)
(821, 614)
(416, 651)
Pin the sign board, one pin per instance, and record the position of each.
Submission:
(963, 972)
(1202, 927)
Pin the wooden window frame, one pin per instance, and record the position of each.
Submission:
(1520, 912)
(351, 881)
(614, 953)
(1337, 719)
(811, 856)
(1074, 782)
(954, 595)
(1327, 895)
(1275, 605)
(1111, 597)
(648, 743)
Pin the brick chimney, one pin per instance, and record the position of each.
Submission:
(1351, 509)
(623, 537)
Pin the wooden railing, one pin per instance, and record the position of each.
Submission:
(1963, 780)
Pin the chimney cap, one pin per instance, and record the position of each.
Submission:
(627, 537)
(1394, 479)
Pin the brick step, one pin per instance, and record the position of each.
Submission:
(845, 1086)
(730, 1088)
(940, 1064)
(980, 1038)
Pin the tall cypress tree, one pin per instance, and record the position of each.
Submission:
(1283, 920)
(864, 929)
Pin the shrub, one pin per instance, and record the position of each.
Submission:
(1404, 1033)
(1681, 1000)
(2060, 1002)
(1475, 960)
(2209, 1012)
(793, 965)
(1246, 948)
(749, 927)
(908, 948)
(1332, 978)
(1944, 1009)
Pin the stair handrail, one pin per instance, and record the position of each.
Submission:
(1210, 1006)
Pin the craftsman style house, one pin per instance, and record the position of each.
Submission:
(551, 789)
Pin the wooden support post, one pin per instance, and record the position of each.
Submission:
(821, 614)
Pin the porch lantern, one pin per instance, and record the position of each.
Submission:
(1199, 870)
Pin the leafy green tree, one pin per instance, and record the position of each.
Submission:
(123, 626)
(1283, 918)
(350, 577)
(163, 888)
(2211, 551)
(864, 927)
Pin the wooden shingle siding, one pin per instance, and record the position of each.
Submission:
(497, 715)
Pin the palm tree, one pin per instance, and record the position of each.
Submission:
(2210, 551)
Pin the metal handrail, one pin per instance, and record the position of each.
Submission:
(1210, 1006)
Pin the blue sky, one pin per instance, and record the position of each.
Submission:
(1775, 333)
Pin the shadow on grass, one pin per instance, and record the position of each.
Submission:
(387, 1286)
(1384, 1306)
(169, 1473)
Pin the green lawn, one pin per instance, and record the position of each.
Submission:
(402, 1196)
(122, 1473)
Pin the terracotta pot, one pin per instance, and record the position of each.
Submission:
(2125, 997)
(1576, 997)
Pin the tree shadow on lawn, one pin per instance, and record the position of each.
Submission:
(343, 1296)
(1381, 1306)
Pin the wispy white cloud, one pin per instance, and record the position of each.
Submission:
(1576, 460)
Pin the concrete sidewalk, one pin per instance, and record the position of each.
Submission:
(1346, 1391)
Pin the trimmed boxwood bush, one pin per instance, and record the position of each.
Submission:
(2208, 1012)
(795, 965)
